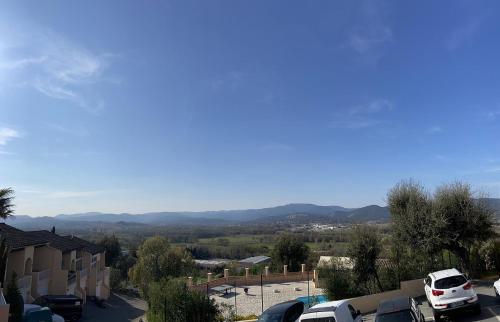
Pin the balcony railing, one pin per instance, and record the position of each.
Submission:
(71, 278)
(43, 275)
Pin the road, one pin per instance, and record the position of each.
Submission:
(119, 307)
(489, 303)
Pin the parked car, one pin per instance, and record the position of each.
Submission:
(496, 288)
(68, 306)
(449, 291)
(401, 309)
(32, 313)
(334, 311)
(288, 311)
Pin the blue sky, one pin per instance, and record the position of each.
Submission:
(135, 106)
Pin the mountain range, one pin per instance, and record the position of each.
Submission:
(291, 213)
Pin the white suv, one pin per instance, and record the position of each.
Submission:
(448, 291)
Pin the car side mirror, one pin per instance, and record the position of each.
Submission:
(424, 281)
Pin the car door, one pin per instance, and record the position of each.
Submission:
(415, 311)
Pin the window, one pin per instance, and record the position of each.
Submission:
(450, 282)
(293, 313)
(405, 315)
(353, 312)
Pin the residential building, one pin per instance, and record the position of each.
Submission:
(93, 257)
(49, 264)
(20, 260)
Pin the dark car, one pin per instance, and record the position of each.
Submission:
(70, 307)
(400, 309)
(283, 312)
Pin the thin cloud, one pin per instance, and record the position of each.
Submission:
(368, 36)
(278, 147)
(363, 116)
(8, 134)
(55, 67)
(493, 115)
(440, 157)
(364, 39)
(462, 34)
(434, 130)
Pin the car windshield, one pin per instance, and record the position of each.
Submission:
(400, 316)
(449, 282)
(270, 317)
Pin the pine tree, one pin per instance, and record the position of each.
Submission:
(14, 298)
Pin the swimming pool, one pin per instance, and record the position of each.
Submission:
(313, 299)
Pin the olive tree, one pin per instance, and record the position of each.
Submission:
(466, 221)
(157, 260)
(290, 250)
(364, 250)
(416, 232)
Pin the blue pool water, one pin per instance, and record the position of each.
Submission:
(312, 299)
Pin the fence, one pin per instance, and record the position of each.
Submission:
(252, 294)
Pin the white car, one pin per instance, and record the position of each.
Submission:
(55, 317)
(335, 311)
(496, 287)
(448, 291)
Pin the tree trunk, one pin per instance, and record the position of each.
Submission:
(378, 282)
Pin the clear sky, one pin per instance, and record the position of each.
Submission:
(135, 106)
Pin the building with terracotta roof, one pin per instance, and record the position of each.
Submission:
(49, 264)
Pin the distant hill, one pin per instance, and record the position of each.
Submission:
(297, 213)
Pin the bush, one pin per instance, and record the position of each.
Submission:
(338, 283)
(172, 301)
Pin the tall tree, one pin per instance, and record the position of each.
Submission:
(291, 251)
(364, 250)
(6, 205)
(466, 220)
(413, 224)
(156, 260)
(113, 249)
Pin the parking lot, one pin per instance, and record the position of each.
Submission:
(490, 306)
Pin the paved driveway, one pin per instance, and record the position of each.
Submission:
(489, 303)
(119, 307)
